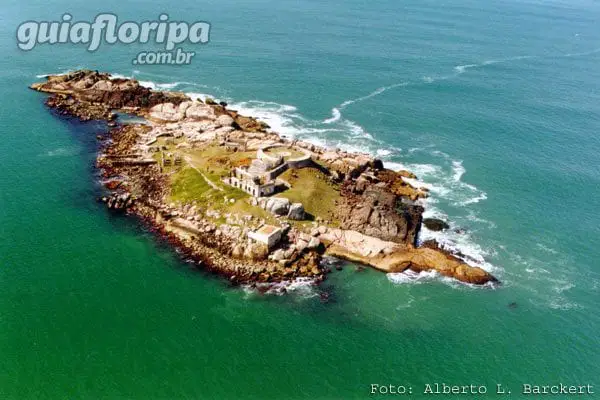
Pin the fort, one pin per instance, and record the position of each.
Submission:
(259, 179)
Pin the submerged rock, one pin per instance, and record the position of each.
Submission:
(435, 224)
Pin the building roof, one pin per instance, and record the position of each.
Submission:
(267, 229)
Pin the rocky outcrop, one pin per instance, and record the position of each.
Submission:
(275, 205)
(199, 111)
(224, 120)
(84, 93)
(393, 257)
(281, 206)
(381, 214)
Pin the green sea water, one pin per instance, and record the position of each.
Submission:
(495, 106)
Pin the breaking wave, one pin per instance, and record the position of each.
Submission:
(302, 287)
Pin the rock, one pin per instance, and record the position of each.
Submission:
(296, 212)
(407, 174)
(313, 243)
(238, 251)
(256, 252)
(435, 224)
(224, 120)
(301, 245)
(250, 124)
(277, 205)
(381, 214)
(278, 255)
(377, 164)
(289, 253)
(166, 112)
(199, 111)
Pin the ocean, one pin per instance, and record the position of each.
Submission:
(494, 105)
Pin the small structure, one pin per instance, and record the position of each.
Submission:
(251, 184)
(260, 178)
(268, 235)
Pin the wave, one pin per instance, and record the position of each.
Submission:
(416, 278)
(463, 68)
(160, 86)
(302, 287)
(412, 277)
(336, 115)
(585, 53)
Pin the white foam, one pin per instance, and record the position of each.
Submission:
(357, 131)
(61, 152)
(374, 93)
(160, 86)
(384, 152)
(412, 277)
(463, 68)
(303, 287)
(546, 248)
(336, 115)
(416, 278)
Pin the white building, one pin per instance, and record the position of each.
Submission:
(243, 180)
(267, 234)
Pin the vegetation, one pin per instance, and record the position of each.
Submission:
(218, 160)
(313, 189)
(310, 186)
(188, 185)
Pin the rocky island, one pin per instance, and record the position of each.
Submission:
(241, 200)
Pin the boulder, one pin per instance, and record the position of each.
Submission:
(296, 212)
(224, 120)
(435, 224)
(301, 245)
(278, 255)
(166, 112)
(313, 243)
(277, 205)
(199, 111)
(381, 214)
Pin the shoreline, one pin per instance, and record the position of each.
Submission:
(141, 183)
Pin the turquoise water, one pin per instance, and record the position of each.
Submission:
(495, 106)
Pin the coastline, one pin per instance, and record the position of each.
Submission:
(369, 194)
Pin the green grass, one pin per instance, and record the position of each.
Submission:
(218, 160)
(312, 188)
(309, 185)
(188, 185)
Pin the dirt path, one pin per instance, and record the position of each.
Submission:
(210, 183)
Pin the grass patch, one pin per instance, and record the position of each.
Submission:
(313, 189)
(188, 185)
(218, 160)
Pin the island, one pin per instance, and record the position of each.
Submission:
(241, 200)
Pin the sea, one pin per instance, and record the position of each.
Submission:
(494, 105)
